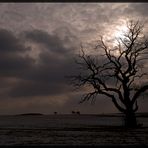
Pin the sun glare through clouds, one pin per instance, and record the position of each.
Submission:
(38, 46)
(117, 34)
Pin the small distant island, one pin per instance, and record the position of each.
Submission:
(31, 114)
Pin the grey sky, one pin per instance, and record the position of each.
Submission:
(38, 42)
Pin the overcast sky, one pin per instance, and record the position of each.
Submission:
(38, 42)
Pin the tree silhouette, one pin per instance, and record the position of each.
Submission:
(115, 71)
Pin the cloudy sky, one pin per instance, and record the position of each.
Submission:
(38, 43)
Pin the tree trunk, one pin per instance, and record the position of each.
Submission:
(130, 119)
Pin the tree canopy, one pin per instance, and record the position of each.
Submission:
(115, 71)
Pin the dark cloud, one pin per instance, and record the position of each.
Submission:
(11, 61)
(60, 41)
(51, 42)
(139, 9)
(38, 52)
(33, 88)
(9, 43)
(14, 65)
(45, 78)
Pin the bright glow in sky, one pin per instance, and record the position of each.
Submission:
(37, 46)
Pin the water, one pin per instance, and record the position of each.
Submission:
(62, 121)
(70, 130)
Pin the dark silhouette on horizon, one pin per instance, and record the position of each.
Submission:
(76, 112)
(55, 113)
(31, 114)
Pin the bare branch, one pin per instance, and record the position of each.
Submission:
(116, 74)
(139, 92)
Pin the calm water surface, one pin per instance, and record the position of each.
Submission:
(62, 121)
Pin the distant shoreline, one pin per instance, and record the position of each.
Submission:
(30, 114)
(145, 114)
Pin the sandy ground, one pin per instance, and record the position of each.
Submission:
(101, 135)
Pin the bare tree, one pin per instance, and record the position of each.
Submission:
(116, 72)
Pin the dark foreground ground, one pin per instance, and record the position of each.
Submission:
(69, 132)
(90, 136)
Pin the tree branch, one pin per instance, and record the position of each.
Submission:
(139, 92)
